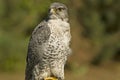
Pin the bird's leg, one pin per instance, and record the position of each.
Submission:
(58, 72)
(50, 78)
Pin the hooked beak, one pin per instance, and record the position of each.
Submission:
(53, 11)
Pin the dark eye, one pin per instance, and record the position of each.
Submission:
(60, 9)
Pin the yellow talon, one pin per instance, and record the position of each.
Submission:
(50, 78)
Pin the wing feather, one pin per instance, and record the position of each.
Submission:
(39, 36)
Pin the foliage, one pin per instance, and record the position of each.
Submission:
(101, 22)
(17, 20)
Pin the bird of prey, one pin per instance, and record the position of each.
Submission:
(48, 47)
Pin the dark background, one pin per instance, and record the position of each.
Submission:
(95, 29)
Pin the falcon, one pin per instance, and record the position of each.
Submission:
(48, 47)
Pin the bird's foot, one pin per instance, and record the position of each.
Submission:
(50, 78)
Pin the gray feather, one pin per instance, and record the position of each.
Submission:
(48, 47)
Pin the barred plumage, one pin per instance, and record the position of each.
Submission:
(49, 45)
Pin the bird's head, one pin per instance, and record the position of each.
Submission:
(58, 11)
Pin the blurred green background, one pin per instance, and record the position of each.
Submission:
(95, 29)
